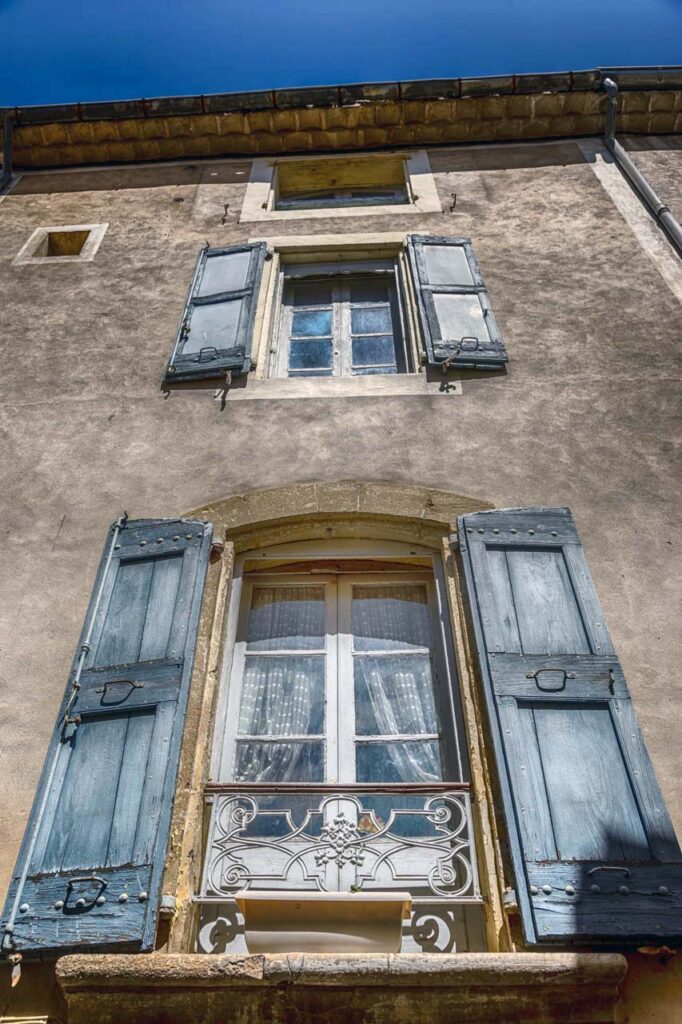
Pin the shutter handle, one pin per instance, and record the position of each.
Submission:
(118, 682)
(207, 348)
(553, 672)
(82, 903)
(609, 867)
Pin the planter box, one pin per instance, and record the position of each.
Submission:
(280, 921)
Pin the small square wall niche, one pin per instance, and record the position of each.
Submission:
(65, 243)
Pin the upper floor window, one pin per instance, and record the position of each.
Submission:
(351, 186)
(345, 324)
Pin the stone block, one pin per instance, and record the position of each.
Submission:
(375, 136)
(54, 134)
(83, 132)
(27, 136)
(662, 122)
(591, 124)
(131, 128)
(230, 124)
(260, 121)
(492, 108)
(633, 103)
(634, 123)
(414, 112)
(388, 113)
(582, 103)
(565, 125)
(536, 128)
(358, 117)
(468, 109)
(122, 152)
(147, 149)
(402, 135)
(520, 106)
(549, 104)
(438, 110)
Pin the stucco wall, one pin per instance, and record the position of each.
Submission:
(586, 416)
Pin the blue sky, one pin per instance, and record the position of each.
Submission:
(54, 51)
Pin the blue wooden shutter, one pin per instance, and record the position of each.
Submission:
(594, 851)
(457, 322)
(89, 870)
(216, 331)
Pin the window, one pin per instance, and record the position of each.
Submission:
(75, 243)
(350, 186)
(339, 758)
(370, 306)
(345, 324)
(343, 726)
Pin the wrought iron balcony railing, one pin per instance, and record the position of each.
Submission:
(330, 838)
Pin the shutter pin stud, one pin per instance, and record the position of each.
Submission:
(534, 890)
(24, 908)
(569, 890)
(123, 898)
(595, 888)
(663, 890)
(188, 536)
(101, 900)
(80, 902)
(176, 537)
(59, 904)
(532, 533)
(512, 531)
(143, 543)
(547, 889)
(142, 897)
(623, 890)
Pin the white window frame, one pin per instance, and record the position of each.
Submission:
(341, 325)
(260, 200)
(339, 720)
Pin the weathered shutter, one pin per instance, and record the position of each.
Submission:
(458, 324)
(594, 851)
(89, 870)
(216, 331)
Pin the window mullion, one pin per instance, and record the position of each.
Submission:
(346, 717)
(342, 339)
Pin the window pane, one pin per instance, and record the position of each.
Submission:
(370, 371)
(300, 761)
(460, 316)
(282, 696)
(311, 323)
(394, 695)
(388, 618)
(371, 320)
(286, 619)
(227, 273)
(399, 761)
(310, 355)
(368, 291)
(374, 350)
(447, 264)
(312, 294)
(213, 326)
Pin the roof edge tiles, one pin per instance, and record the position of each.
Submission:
(344, 117)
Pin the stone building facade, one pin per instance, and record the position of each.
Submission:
(449, 304)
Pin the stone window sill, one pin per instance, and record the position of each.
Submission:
(476, 988)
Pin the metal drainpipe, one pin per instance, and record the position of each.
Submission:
(6, 175)
(659, 210)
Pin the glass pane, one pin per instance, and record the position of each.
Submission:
(374, 350)
(299, 761)
(310, 355)
(227, 273)
(309, 294)
(286, 619)
(311, 323)
(394, 695)
(460, 316)
(371, 371)
(213, 326)
(371, 320)
(399, 761)
(368, 291)
(390, 618)
(447, 264)
(282, 696)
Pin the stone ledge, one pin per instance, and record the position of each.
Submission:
(476, 988)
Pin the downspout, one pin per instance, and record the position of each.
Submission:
(8, 130)
(658, 210)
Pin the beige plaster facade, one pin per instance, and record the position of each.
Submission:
(586, 416)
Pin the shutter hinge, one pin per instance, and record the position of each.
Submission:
(168, 906)
(453, 540)
(510, 902)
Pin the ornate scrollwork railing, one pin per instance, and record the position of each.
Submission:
(319, 838)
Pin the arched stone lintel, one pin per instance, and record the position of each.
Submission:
(346, 508)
